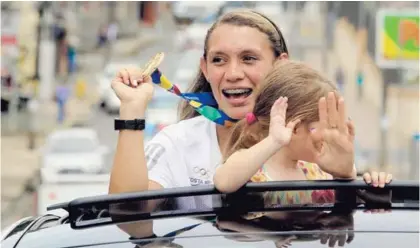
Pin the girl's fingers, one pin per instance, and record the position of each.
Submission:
(382, 179)
(367, 177)
(388, 178)
(342, 116)
(332, 110)
(333, 240)
(350, 128)
(350, 236)
(342, 240)
(283, 107)
(318, 133)
(292, 124)
(275, 107)
(279, 107)
(322, 112)
(375, 178)
(323, 238)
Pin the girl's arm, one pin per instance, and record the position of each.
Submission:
(243, 164)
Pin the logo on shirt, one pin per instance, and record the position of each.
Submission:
(201, 176)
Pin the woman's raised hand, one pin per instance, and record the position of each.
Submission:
(134, 91)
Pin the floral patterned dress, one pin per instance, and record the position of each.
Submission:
(281, 198)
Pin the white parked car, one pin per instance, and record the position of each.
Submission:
(72, 151)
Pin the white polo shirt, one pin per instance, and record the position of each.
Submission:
(184, 154)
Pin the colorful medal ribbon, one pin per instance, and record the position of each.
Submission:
(204, 103)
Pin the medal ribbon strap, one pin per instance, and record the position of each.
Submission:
(204, 103)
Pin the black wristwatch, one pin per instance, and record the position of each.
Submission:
(136, 124)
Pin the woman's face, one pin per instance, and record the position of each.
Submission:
(238, 58)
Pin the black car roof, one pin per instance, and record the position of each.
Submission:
(404, 223)
(403, 219)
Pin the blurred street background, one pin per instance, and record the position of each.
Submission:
(58, 60)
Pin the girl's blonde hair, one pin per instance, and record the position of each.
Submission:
(247, 18)
(302, 85)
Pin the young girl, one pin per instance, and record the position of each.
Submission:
(286, 137)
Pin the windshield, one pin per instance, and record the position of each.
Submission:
(72, 145)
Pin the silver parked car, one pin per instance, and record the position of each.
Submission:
(71, 151)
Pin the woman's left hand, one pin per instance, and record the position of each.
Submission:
(334, 138)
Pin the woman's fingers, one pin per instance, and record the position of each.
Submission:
(123, 74)
(131, 76)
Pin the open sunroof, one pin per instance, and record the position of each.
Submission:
(206, 200)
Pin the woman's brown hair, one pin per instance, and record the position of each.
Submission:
(302, 85)
(247, 18)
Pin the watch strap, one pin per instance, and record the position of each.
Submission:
(136, 124)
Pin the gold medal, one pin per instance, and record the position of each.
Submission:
(153, 64)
